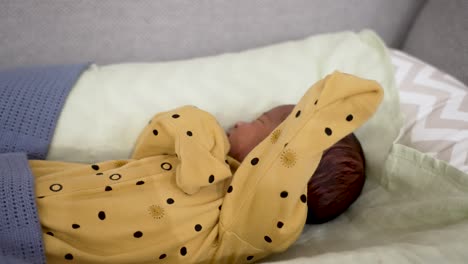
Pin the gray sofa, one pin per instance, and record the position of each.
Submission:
(110, 31)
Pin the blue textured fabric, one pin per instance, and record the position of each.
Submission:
(20, 231)
(31, 100)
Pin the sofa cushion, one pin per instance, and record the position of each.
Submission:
(440, 36)
(111, 31)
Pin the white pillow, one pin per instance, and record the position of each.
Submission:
(435, 105)
(110, 105)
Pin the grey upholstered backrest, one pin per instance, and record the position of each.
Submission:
(440, 36)
(110, 31)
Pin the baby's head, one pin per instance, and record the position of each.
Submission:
(244, 136)
(337, 180)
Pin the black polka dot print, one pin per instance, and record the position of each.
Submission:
(175, 116)
(75, 226)
(50, 233)
(328, 131)
(138, 234)
(102, 215)
(211, 179)
(68, 256)
(95, 167)
(170, 201)
(250, 257)
(284, 194)
(108, 188)
(99, 174)
(56, 187)
(166, 166)
(163, 256)
(155, 132)
(115, 177)
(268, 239)
(349, 118)
(280, 224)
(183, 251)
(304, 198)
(140, 183)
(298, 113)
(254, 161)
(198, 227)
(189, 133)
(229, 190)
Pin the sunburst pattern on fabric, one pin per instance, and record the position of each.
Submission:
(156, 211)
(275, 136)
(288, 158)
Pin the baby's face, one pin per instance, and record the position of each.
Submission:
(244, 136)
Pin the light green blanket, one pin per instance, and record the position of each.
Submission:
(116, 101)
(415, 211)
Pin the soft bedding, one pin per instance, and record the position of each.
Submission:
(418, 211)
(235, 211)
(435, 106)
(112, 103)
(30, 102)
(414, 208)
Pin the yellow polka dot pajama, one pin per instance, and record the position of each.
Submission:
(181, 199)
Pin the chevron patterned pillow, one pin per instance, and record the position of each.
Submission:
(435, 106)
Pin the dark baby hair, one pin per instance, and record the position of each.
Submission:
(337, 181)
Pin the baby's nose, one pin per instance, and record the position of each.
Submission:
(240, 123)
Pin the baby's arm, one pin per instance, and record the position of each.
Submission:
(265, 208)
(151, 141)
(196, 138)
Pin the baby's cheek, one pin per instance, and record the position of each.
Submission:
(249, 143)
(238, 148)
(234, 145)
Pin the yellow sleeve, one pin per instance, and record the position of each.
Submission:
(266, 205)
(196, 138)
(151, 142)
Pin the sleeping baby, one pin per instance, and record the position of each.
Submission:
(193, 194)
(338, 179)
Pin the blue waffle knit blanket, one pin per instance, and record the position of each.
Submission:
(31, 100)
